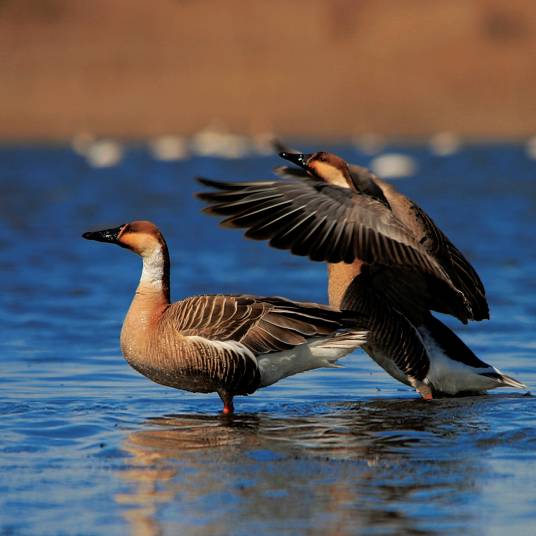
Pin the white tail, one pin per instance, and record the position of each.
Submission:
(315, 353)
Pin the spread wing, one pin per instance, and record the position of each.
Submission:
(460, 272)
(458, 268)
(325, 223)
(410, 292)
(315, 219)
(389, 329)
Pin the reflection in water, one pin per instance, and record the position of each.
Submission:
(396, 466)
(353, 467)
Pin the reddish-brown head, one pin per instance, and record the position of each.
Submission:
(326, 166)
(142, 237)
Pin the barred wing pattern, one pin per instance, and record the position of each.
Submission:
(223, 334)
(390, 331)
(433, 240)
(263, 325)
(460, 271)
(326, 223)
(411, 292)
(463, 276)
(362, 178)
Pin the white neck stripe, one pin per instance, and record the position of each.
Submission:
(153, 269)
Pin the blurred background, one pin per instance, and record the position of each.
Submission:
(320, 69)
(108, 109)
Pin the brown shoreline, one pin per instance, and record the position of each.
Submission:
(322, 69)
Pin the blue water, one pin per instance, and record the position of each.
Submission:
(88, 446)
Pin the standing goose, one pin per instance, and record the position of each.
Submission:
(386, 258)
(232, 345)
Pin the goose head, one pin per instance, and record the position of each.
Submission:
(141, 237)
(326, 166)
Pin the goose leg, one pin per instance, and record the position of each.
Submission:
(425, 391)
(227, 399)
(422, 388)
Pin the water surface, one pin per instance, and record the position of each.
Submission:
(90, 447)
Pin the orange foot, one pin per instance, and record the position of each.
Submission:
(227, 399)
(422, 388)
(425, 391)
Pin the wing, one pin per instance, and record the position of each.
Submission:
(311, 218)
(391, 334)
(457, 267)
(263, 325)
(460, 271)
(411, 292)
(362, 178)
(325, 223)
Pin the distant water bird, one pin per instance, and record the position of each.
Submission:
(368, 143)
(445, 143)
(232, 345)
(98, 153)
(531, 147)
(82, 141)
(387, 260)
(168, 148)
(217, 141)
(394, 165)
(104, 153)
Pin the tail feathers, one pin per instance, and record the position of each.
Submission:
(337, 346)
(318, 352)
(505, 381)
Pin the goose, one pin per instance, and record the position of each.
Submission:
(229, 344)
(386, 259)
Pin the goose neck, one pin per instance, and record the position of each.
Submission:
(155, 273)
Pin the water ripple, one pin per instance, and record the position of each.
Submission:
(86, 442)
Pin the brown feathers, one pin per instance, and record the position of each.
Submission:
(331, 224)
(263, 325)
(334, 212)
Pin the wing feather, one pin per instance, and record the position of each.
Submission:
(263, 325)
(333, 224)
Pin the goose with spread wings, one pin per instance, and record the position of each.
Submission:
(386, 258)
